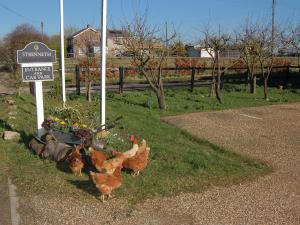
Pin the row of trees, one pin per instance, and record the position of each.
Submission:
(256, 43)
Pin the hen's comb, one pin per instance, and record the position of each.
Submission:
(132, 138)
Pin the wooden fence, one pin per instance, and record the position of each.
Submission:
(239, 75)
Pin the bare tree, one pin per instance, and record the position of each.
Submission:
(291, 40)
(247, 42)
(16, 40)
(147, 53)
(257, 44)
(265, 52)
(214, 43)
(89, 59)
(90, 73)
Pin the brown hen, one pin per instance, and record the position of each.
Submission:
(106, 183)
(97, 158)
(75, 161)
(138, 162)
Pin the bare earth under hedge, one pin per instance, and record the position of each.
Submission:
(270, 133)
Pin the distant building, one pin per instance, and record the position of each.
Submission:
(197, 51)
(87, 41)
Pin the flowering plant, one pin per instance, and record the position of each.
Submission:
(79, 130)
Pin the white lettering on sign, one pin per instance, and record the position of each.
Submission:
(37, 73)
(34, 54)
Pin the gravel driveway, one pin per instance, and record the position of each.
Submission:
(271, 134)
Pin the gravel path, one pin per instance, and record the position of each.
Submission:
(271, 134)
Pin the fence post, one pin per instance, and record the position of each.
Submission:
(121, 79)
(32, 88)
(77, 72)
(287, 75)
(193, 78)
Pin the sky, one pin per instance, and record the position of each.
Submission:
(187, 17)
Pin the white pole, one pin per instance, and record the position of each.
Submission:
(39, 107)
(103, 61)
(62, 52)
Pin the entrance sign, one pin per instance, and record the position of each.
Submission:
(36, 52)
(41, 72)
(37, 60)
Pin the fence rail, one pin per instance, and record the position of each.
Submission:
(281, 73)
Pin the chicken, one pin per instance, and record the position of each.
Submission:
(110, 165)
(102, 164)
(131, 152)
(97, 158)
(138, 162)
(106, 183)
(75, 161)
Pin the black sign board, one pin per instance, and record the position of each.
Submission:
(36, 52)
(37, 73)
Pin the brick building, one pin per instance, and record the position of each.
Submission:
(87, 41)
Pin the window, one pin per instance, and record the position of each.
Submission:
(80, 51)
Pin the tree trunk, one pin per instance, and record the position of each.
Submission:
(298, 57)
(213, 83)
(248, 77)
(218, 89)
(88, 91)
(161, 98)
(89, 84)
(253, 84)
(266, 89)
(218, 85)
(213, 88)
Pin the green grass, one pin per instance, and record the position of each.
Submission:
(179, 162)
(181, 101)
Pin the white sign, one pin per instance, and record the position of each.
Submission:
(36, 60)
(42, 72)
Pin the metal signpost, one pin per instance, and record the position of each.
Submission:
(62, 52)
(37, 60)
(103, 61)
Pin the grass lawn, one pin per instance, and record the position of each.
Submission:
(179, 162)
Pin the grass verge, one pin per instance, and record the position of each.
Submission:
(179, 162)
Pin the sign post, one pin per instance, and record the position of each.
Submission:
(103, 61)
(37, 60)
(62, 52)
(39, 102)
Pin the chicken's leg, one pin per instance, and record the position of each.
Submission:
(135, 174)
(102, 198)
(110, 195)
